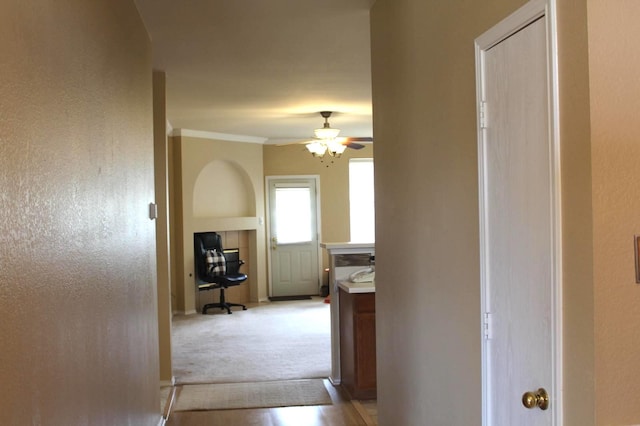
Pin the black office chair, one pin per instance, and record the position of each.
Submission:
(216, 268)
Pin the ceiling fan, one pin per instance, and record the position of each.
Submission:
(326, 140)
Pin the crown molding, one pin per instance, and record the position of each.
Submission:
(217, 136)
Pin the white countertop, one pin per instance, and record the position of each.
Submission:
(347, 245)
(346, 248)
(350, 287)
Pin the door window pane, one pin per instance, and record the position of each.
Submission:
(293, 215)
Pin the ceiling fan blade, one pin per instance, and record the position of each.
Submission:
(298, 142)
(353, 145)
(351, 142)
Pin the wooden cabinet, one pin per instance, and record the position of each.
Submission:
(358, 344)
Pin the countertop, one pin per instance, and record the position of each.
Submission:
(346, 248)
(350, 287)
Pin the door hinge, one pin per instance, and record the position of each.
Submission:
(486, 325)
(483, 115)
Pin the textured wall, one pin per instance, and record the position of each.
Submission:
(614, 59)
(77, 250)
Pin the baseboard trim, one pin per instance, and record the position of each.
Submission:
(189, 312)
(168, 405)
(165, 383)
(363, 412)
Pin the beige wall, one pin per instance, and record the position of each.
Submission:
(192, 158)
(77, 278)
(427, 205)
(614, 63)
(334, 183)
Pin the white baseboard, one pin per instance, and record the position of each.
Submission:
(189, 312)
(165, 383)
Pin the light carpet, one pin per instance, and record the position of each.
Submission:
(268, 342)
(226, 396)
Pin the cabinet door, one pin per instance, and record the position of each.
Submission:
(365, 324)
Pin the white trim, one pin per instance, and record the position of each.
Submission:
(167, 383)
(217, 136)
(554, 128)
(267, 184)
(512, 24)
(528, 13)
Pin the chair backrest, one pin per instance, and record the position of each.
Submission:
(232, 257)
(203, 241)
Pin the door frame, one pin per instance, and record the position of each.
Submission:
(528, 13)
(268, 180)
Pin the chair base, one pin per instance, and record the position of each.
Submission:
(224, 305)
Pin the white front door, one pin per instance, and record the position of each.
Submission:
(518, 227)
(293, 238)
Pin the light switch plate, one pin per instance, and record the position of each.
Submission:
(153, 211)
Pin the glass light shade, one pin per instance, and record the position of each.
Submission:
(336, 148)
(326, 133)
(317, 149)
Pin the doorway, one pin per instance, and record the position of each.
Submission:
(293, 233)
(520, 225)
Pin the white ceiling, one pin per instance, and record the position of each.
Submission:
(263, 68)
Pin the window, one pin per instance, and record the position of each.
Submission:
(293, 217)
(361, 200)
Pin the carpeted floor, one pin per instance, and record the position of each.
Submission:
(269, 342)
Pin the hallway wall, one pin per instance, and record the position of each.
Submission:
(79, 327)
(614, 60)
(424, 107)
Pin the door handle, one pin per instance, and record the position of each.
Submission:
(536, 399)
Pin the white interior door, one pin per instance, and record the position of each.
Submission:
(294, 246)
(518, 234)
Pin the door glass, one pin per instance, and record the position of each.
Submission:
(293, 215)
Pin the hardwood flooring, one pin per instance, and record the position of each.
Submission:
(342, 412)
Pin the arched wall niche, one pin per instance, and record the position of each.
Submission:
(223, 189)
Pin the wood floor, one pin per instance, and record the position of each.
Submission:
(341, 413)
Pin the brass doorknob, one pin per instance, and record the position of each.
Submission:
(536, 399)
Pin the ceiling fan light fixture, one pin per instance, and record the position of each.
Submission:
(317, 149)
(326, 132)
(335, 148)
